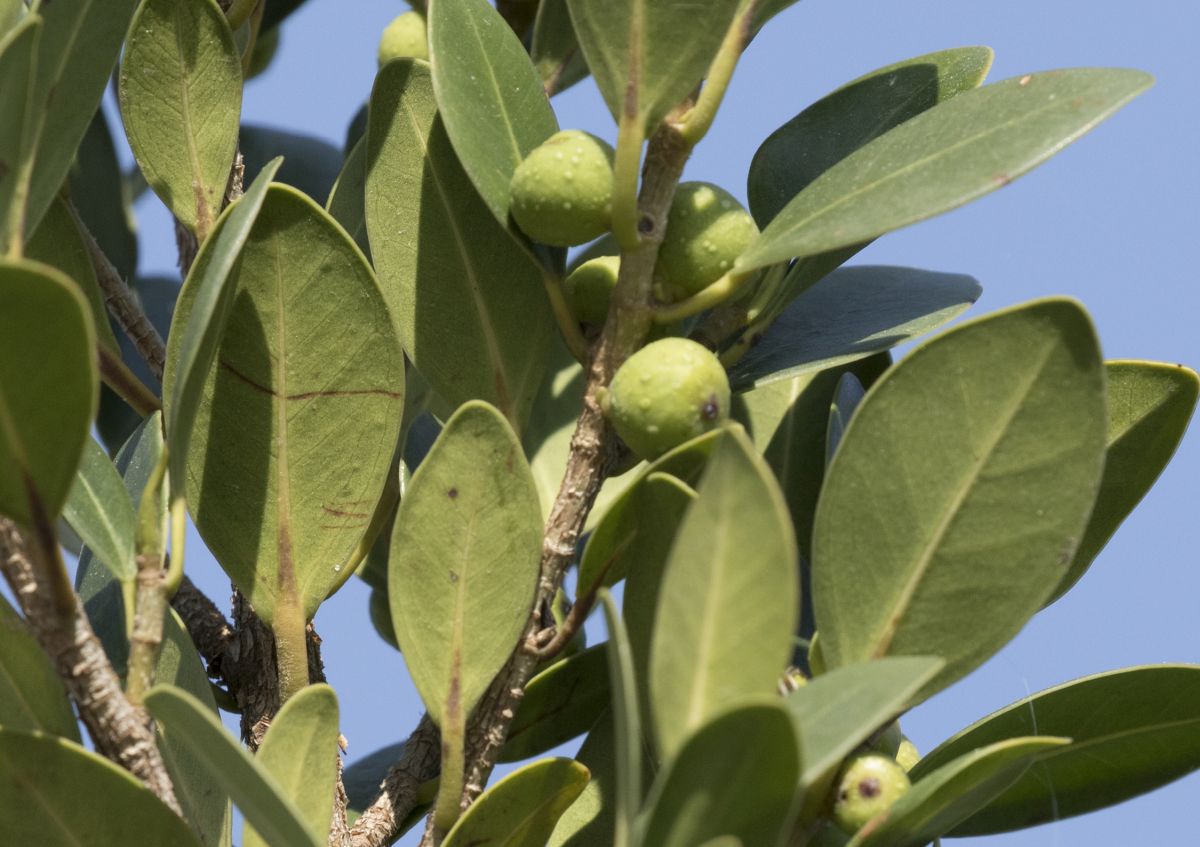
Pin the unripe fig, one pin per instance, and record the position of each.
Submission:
(590, 287)
(405, 37)
(907, 755)
(707, 229)
(867, 786)
(562, 193)
(887, 742)
(667, 393)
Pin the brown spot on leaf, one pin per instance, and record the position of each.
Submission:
(452, 493)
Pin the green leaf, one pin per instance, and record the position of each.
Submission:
(944, 797)
(588, 822)
(18, 58)
(945, 157)
(347, 198)
(181, 97)
(555, 49)
(253, 789)
(99, 510)
(464, 561)
(729, 599)
(11, 13)
(300, 751)
(521, 809)
(309, 164)
(736, 776)
(838, 711)
(48, 389)
(892, 306)
(80, 42)
(1133, 730)
(1149, 406)
(31, 694)
(488, 94)
(562, 702)
(102, 197)
(303, 394)
(88, 799)
(648, 55)
(196, 332)
(851, 117)
(987, 445)
(636, 533)
(768, 9)
(627, 724)
(58, 243)
(468, 300)
(849, 394)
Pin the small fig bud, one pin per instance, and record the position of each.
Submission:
(561, 194)
(867, 786)
(707, 229)
(405, 37)
(590, 287)
(667, 393)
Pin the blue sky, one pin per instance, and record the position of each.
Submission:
(1104, 222)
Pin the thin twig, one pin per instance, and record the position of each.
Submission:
(420, 762)
(120, 732)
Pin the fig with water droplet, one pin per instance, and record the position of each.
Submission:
(669, 392)
(561, 194)
(590, 287)
(707, 229)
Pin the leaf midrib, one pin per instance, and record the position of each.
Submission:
(200, 190)
(697, 699)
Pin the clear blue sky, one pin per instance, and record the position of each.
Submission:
(1105, 222)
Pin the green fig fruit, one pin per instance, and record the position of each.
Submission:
(669, 392)
(561, 194)
(405, 37)
(707, 229)
(867, 786)
(590, 287)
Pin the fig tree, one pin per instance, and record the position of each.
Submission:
(561, 194)
(669, 392)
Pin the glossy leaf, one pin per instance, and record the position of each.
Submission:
(736, 776)
(555, 49)
(80, 42)
(986, 501)
(196, 335)
(560, 703)
(852, 116)
(309, 163)
(48, 389)
(853, 313)
(838, 711)
(849, 394)
(648, 55)
(102, 197)
(488, 94)
(1132, 731)
(1149, 406)
(18, 57)
(99, 510)
(32, 697)
(181, 96)
(627, 723)
(464, 561)
(467, 299)
(253, 789)
(305, 389)
(944, 797)
(728, 603)
(89, 799)
(521, 809)
(943, 158)
(300, 751)
(58, 243)
(347, 198)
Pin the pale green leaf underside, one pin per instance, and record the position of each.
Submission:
(467, 299)
(728, 604)
(32, 697)
(949, 155)
(302, 399)
(521, 809)
(181, 96)
(57, 794)
(99, 510)
(464, 560)
(942, 534)
(18, 56)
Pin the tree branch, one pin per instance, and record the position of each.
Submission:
(120, 732)
(420, 762)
